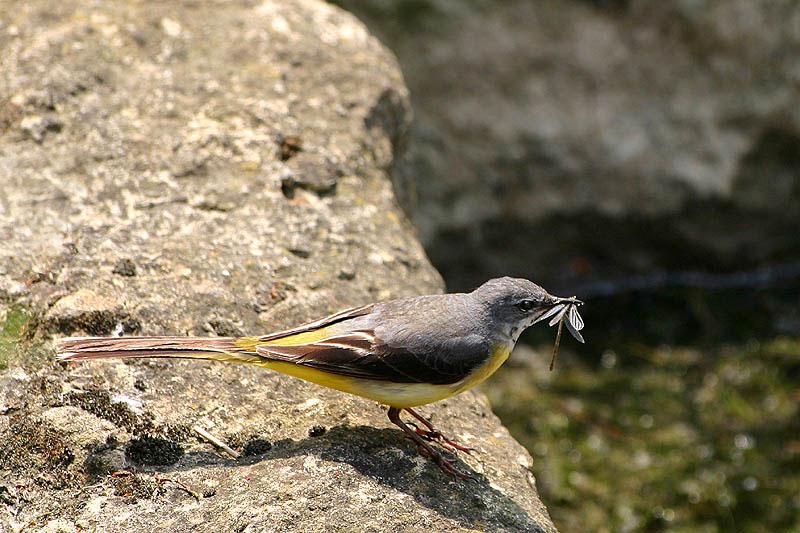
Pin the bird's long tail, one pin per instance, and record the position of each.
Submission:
(228, 349)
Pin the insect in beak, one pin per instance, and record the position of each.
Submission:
(564, 311)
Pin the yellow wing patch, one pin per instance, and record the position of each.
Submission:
(306, 337)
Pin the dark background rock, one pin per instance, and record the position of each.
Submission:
(148, 187)
(580, 141)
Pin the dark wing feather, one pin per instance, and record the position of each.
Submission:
(361, 355)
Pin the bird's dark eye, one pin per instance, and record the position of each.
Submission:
(526, 305)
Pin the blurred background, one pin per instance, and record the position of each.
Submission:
(645, 156)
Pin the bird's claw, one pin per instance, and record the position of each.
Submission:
(446, 464)
(434, 435)
(422, 438)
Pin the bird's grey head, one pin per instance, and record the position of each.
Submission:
(513, 304)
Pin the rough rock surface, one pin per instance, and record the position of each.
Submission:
(568, 138)
(183, 168)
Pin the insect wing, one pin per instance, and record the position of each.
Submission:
(559, 316)
(574, 331)
(550, 312)
(575, 318)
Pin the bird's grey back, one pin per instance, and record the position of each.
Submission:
(446, 335)
(415, 320)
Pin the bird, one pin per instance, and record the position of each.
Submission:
(401, 353)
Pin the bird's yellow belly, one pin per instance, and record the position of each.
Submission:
(393, 394)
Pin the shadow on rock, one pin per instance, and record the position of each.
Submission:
(384, 455)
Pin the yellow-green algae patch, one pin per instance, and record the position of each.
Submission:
(18, 342)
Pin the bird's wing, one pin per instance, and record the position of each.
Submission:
(360, 354)
(318, 325)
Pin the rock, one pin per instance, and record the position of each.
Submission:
(90, 440)
(11, 289)
(58, 525)
(12, 387)
(80, 428)
(176, 145)
(105, 462)
(86, 311)
(125, 267)
(594, 139)
(36, 126)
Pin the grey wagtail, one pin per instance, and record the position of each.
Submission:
(402, 353)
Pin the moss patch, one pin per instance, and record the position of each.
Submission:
(17, 338)
(134, 485)
(256, 447)
(99, 403)
(32, 446)
(153, 451)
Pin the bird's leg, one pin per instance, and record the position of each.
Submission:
(434, 434)
(425, 449)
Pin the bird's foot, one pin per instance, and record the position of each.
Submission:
(431, 433)
(445, 464)
(436, 436)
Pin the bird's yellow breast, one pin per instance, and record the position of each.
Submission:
(498, 356)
